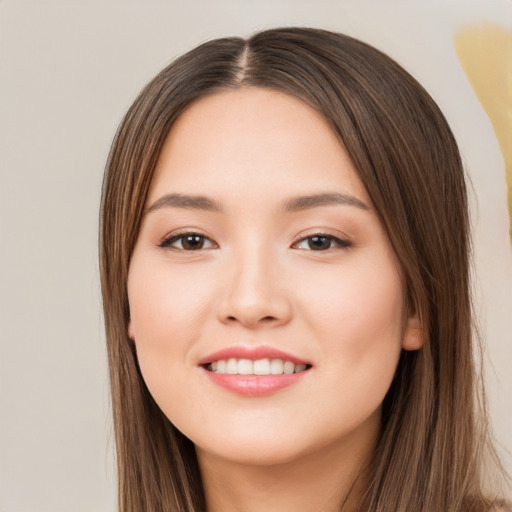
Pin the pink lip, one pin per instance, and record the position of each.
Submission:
(253, 385)
(254, 353)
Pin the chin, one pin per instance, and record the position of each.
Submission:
(280, 444)
(254, 453)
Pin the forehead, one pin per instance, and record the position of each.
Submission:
(251, 139)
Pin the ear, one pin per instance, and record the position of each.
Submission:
(131, 334)
(413, 338)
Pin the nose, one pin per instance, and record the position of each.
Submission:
(254, 294)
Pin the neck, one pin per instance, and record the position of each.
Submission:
(330, 480)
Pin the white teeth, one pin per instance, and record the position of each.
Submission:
(276, 367)
(245, 367)
(234, 366)
(289, 368)
(262, 367)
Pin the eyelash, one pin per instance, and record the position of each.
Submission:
(338, 242)
(167, 242)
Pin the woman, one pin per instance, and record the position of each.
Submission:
(285, 257)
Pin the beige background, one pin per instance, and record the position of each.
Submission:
(68, 72)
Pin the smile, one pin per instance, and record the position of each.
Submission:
(233, 366)
(254, 371)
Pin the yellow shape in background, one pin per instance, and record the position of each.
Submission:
(485, 51)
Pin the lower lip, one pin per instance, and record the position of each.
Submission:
(254, 385)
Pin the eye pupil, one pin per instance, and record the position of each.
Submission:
(191, 242)
(317, 243)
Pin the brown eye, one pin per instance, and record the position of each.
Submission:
(192, 242)
(187, 242)
(322, 243)
(319, 243)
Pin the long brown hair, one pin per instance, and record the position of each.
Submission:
(428, 456)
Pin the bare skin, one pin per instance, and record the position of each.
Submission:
(259, 235)
(326, 482)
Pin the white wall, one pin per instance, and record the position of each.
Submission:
(68, 72)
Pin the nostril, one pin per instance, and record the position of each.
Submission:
(265, 319)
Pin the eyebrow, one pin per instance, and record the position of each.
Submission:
(327, 199)
(186, 201)
(294, 204)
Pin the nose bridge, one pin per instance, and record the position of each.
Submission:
(254, 293)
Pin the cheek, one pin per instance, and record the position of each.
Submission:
(357, 315)
(168, 310)
(162, 296)
(359, 325)
(364, 294)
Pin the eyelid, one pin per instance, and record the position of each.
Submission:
(170, 238)
(341, 242)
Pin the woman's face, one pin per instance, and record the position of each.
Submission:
(260, 252)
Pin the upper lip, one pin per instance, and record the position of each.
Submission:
(254, 353)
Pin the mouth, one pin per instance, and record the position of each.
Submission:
(265, 366)
(254, 371)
